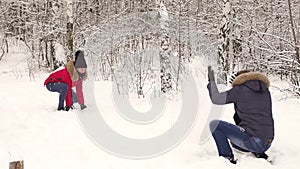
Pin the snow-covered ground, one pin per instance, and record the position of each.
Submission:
(31, 129)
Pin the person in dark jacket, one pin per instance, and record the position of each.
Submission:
(79, 75)
(254, 129)
(60, 81)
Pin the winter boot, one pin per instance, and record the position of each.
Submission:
(231, 159)
(261, 155)
(82, 106)
(60, 108)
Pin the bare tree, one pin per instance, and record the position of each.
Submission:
(70, 24)
(294, 32)
(225, 49)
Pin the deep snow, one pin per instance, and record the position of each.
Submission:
(31, 129)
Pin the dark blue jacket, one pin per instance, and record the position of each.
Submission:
(252, 103)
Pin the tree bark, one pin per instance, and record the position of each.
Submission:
(70, 37)
(179, 46)
(293, 32)
(70, 25)
(165, 50)
(224, 49)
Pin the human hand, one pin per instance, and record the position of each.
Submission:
(211, 74)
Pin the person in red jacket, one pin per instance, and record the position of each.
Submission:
(79, 75)
(60, 81)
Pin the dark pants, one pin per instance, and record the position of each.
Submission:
(223, 131)
(61, 88)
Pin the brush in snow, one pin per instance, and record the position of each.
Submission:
(16, 165)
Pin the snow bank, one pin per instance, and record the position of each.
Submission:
(31, 130)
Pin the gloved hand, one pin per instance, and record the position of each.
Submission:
(82, 106)
(211, 74)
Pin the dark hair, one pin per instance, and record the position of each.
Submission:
(241, 72)
(237, 74)
(77, 54)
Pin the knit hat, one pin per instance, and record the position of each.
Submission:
(79, 60)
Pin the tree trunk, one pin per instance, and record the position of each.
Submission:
(70, 30)
(224, 49)
(5, 42)
(164, 53)
(179, 46)
(293, 32)
(294, 77)
(52, 54)
(2, 54)
(49, 63)
(70, 38)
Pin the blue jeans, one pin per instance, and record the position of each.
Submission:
(223, 131)
(61, 88)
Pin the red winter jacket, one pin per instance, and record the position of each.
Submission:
(64, 77)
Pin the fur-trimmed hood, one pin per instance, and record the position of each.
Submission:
(253, 80)
(73, 72)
